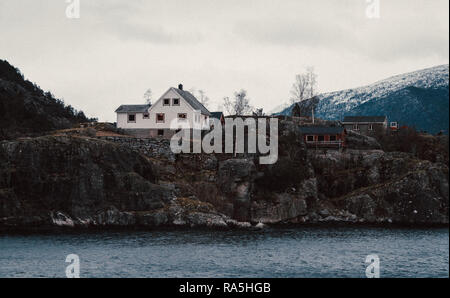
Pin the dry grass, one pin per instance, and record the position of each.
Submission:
(110, 134)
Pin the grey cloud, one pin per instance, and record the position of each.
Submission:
(223, 45)
(386, 41)
(134, 20)
(145, 33)
(293, 32)
(400, 41)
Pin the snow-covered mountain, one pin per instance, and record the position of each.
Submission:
(419, 98)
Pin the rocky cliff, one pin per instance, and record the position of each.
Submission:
(80, 181)
(84, 181)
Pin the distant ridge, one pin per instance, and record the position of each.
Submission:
(25, 109)
(419, 99)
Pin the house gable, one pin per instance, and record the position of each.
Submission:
(162, 114)
(184, 96)
(171, 94)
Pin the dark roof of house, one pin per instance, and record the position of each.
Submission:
(379, 119)
(193, 101)
(216, 115)
(321, 130)
(133, 108)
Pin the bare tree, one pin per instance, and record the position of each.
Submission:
(228, 106)
(148, 95)
(204, 100)
(298, 92)
(201, 96)
(312, 80)
(305, 86)
(240, 105)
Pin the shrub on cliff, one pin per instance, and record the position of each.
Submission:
(291, 167)
(421, 145)
(282, 175)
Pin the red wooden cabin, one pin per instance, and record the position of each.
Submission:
(324, 136)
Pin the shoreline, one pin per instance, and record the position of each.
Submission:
(4, 230)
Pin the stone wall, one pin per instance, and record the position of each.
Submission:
(149, 133)
(155, 148)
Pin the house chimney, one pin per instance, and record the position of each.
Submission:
(180, 86)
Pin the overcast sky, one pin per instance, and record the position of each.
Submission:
(118, 49)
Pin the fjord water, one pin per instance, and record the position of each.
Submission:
(286, 252)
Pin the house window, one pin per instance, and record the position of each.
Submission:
(355, 127)
(182, 116)
(394, 124)
(332, 138)
(160, 132)
(321, 138)
(176, 102)
(132, 118)
(310, 138)
(160, 118)
(146, 116)
(166, 102)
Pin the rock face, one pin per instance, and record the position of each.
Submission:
(81, 181)
(419, 196)
(75, 176)
(235, 179)
(384, 187)
(75, 181)
(284, 207)
(365, 186)
(358, 141)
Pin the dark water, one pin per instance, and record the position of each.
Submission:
(290, 252)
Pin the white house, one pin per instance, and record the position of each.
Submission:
(155, 120)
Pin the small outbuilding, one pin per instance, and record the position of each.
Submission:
(366, 125)
(218, 116)
(324, 136)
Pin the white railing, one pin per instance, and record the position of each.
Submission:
(325, 143)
